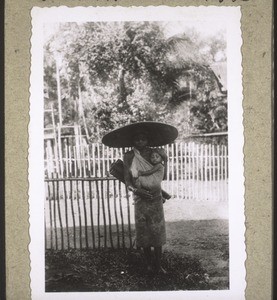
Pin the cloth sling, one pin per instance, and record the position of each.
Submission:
(148, 182)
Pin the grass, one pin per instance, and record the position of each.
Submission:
(196, 257)
(121, 270)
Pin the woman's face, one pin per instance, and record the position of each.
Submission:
(140, 141)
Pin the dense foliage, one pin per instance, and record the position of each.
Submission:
(114, 73)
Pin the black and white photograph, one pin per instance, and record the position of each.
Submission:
(136, 153)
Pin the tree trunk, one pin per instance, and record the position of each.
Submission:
(59, 92)
(122, 90)
(81, 112)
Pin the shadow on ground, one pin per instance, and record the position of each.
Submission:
(196, 257)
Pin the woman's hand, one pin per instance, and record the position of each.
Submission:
(143, 193)
(140, 192)
(132, 189)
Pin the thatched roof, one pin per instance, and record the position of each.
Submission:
(187, 57)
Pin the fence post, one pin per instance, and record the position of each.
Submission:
(172, 169)
(121, 214)
(66, 213)
(182, 170)
(103, 211)
(85, 211)
(115, 213)
(79, 213)
(60, 150)
(50, 214)
(109, 213)
(91, 216)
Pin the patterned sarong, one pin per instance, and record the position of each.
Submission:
(149, 214)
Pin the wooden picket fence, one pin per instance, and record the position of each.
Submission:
(85, 207)
(87, 213)
(202, 161)
(187, 162)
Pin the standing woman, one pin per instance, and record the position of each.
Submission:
(149, 215)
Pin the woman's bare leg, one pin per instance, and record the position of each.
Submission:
(147, 254)
(158, 256)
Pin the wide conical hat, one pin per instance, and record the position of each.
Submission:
(158, 134)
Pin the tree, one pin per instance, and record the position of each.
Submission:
(128, 72)
(197, 90)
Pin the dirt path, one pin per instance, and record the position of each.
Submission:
(205, 240)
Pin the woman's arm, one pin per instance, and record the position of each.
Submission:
(165, 170)
(127, 161)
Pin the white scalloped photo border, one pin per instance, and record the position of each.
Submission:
(230, 17)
